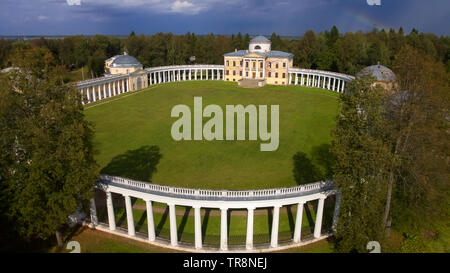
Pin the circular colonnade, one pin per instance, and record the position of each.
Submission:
(109, 86)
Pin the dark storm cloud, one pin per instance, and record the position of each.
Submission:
(286, 17)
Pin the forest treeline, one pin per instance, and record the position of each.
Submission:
(329, 50)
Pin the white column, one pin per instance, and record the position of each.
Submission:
(319, 214)
(109, 89)
(201, 74)
(128, 87)
(223, 229)
(343, 86)
(93, 94)
(130, 219)
(123, 86)
(82, 95)
(93, 212)
(159, 77)
(198, 227)
(110, 207)
(150, 222)
(207, 78)
(298, 223)
(337, 206)
(329, 83)
(323, 82)
(334, 83)
(296, 79)
(104, 90)
(164, 76)
(184, 74)
(264, 70)
(190, 74)
(338, 85)
(99, 92)
(301, 82)
(114, 87)
(173, 225)
(88, 94)
(249, 241)
(275, 221)
(195, 75)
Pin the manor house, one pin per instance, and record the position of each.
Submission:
(258, 62)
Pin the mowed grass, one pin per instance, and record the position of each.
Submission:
(126, 124)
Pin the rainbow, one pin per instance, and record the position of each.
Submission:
(366, 20)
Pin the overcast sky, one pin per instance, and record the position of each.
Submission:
(285, 17)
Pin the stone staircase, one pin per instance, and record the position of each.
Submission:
(251, 83)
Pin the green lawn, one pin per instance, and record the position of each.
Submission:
(133, 139)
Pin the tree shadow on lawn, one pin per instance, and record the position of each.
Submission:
(183, 222)
(162, 221)
(318, 168)
(139, 164)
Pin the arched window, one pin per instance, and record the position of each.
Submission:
(257, 47)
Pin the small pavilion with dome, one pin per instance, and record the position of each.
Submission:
(383, 76)
(122, 64)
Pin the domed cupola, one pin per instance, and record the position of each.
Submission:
(259, 44)
(383, 75)
(379, 72)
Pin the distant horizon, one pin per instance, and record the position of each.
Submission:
(406, 32)
(289, 18)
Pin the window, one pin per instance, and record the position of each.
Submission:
(284, 75)
(284, 64)
(270, 64)
(276, 74)
(254, 64)
(246, 64)
(234, 72)
(227, 72)
(270, 74)
(261, 65)
(276, 65)
(257, 47)
(228, 63)
(234, 63)
(240, 73)
(241, 63)
(246, 74)
(261, 75)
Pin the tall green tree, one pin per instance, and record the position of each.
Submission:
(419, 133)
(47, 167)
(362, 165)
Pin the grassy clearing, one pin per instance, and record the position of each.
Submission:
(126, 127)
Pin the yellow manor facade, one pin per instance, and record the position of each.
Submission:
(258, 62)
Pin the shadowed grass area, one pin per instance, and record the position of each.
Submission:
(126, 127)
